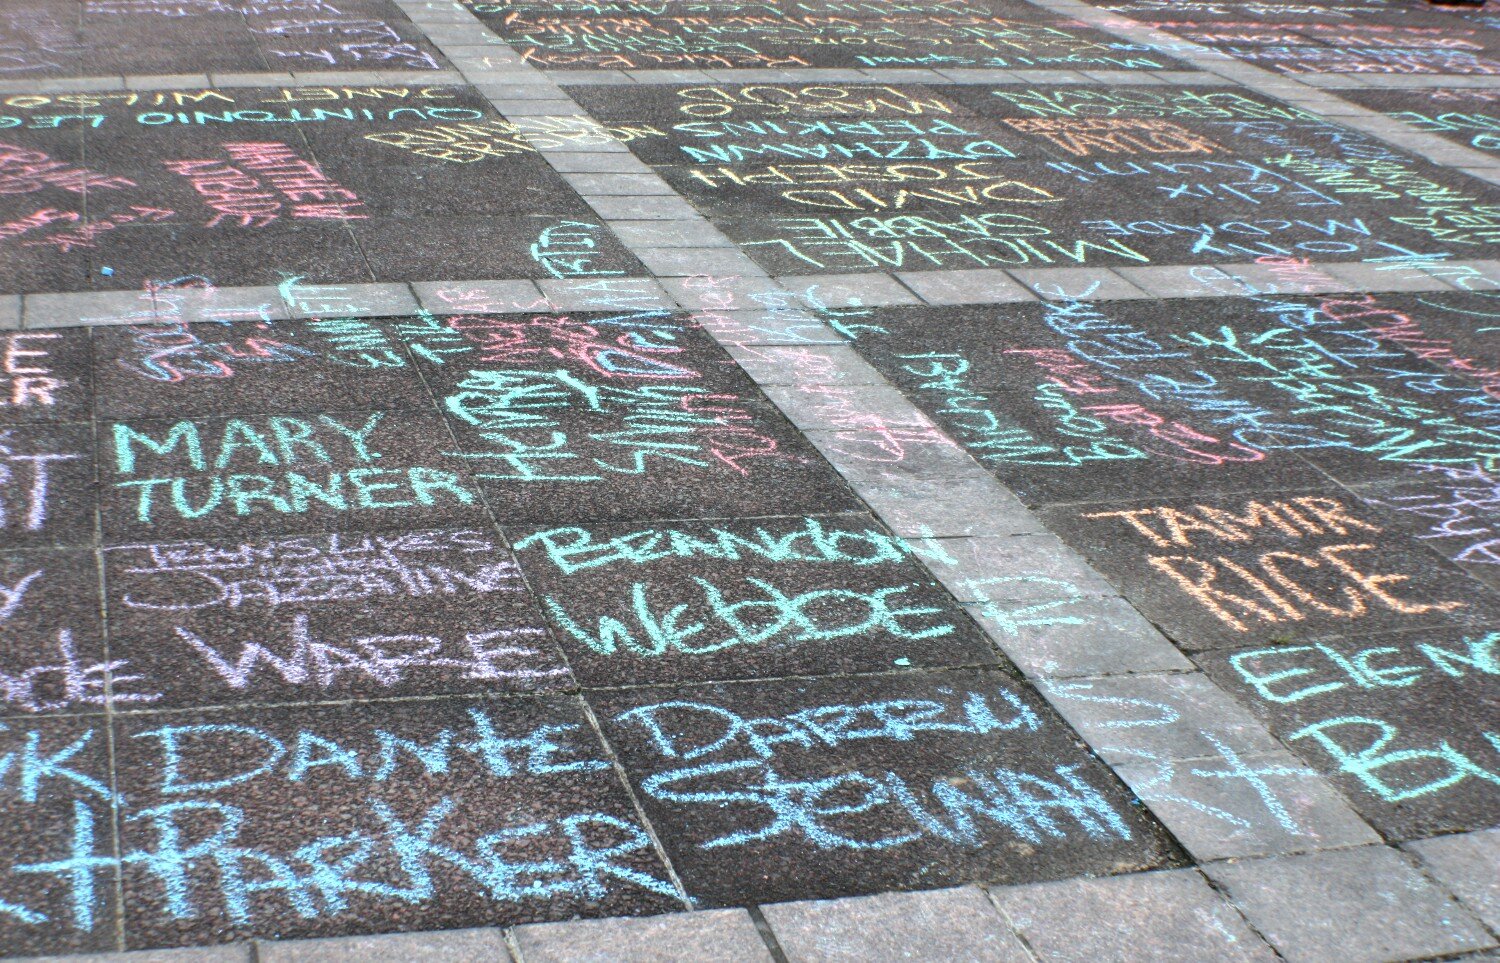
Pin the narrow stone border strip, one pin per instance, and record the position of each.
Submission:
(672, 264)
(345, 78)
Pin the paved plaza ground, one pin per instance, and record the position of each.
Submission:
(793, 480)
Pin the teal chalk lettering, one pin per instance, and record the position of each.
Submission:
(367, 490)
(1262, 682)
(1416, 772)
(78, 869)
(213, 743)
(314, 751)
(359, 438)
(184, 434)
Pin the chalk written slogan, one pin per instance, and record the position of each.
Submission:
(697, 601)
(1372, 713)
(208, 832)
(314, 615)
(862, 775)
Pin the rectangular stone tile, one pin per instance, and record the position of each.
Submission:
(45, 376)
(757, 327)
(877, 409)
(742, 600)
(1376, 714)
(602, 162)
(485, 945)
(232, 953)
(628, 185)
(1271, 279)
(1165, 716)
(580, 439)
(318, 618)
(851, 290)
(1238, 806)
(1369, 277)
(1357, 904)
(584, 294)
(529, 107)
(1172, 914)
(10, 312)
(712, 936)
(1465, 864)
(978, 286)
(1173, 281)
(658, 206)
(1029, 566)
(739, 290)
(936, 925)
(829, 364)
(1224, 571)
(518, 792)
(690, 232)
(166, 81)
(191, 478)
(888, 785)
(247, 367)
(86, 308)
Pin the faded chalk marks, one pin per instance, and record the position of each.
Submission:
(326, 364)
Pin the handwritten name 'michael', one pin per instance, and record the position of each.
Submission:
(285, 465)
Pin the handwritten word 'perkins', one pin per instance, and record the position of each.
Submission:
(761, 613)
(1273, 592)
(209, 484)
(834, 812)
(575, 549)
